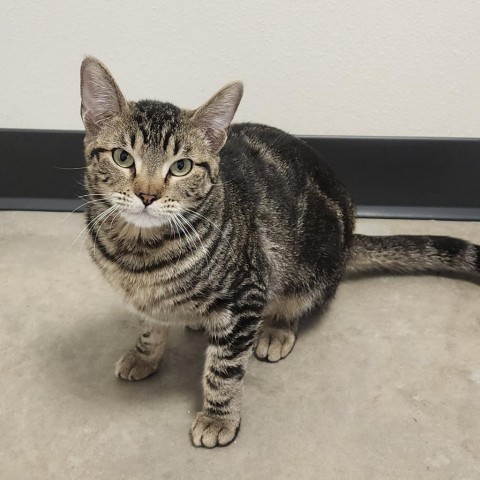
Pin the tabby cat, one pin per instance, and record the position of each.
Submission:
(237, 229)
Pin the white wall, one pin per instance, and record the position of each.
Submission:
(324, 67)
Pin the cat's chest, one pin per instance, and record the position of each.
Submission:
(155, 294)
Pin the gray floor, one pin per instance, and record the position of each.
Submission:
(385, 386)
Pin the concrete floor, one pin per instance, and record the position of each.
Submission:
(385, 386)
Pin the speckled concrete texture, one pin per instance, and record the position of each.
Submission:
(386, 385)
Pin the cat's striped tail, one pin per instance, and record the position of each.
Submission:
(414, 254)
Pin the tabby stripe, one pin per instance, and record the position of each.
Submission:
(211, 383)
(176, 147)
(144, 131)
(177, 235)
(96, 151)
(188, 231)
(234, 371)
(120, 262)
(132, 140)
(220, 303)
(246, 284)
(153, 243)
(202, 291)
(192, 271)
(239, 346)
(200, 264)
(207, 258)
(239, 350)
(225, 271)
(101, 247)
(119, 259)
(166, 140)
(240, 330)
(448, 247)
(222, 404)
(217, 412)
(477, 260)
(250, 308)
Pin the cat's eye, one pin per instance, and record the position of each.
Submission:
(122, 158)
(181, 167)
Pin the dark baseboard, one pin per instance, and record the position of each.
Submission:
(427, 178)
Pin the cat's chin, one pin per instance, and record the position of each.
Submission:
(144, 219)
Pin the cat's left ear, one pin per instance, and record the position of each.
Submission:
(215, 116)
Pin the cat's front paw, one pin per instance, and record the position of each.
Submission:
(135, 366)
(209, 432)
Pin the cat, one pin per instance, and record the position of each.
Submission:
(238, 229)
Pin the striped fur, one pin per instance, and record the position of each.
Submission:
(415, 254)
(254, 236)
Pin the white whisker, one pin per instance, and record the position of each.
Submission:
(193, 212)
(194, 231)
(99, 216)
(80, 206)
(101, 224)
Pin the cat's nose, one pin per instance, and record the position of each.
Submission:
(147, 198)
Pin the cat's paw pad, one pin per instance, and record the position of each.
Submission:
(135, 366)
(210, 432)
(274, 344)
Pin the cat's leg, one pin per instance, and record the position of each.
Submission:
(144, 359)
(226, 360)
(276, 339)
(281, 317)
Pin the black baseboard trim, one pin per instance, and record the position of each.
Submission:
(425, 178)
(412, 213)
(419, 213)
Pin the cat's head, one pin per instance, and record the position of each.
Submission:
(150, 158)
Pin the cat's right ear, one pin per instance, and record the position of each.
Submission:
(101, 97)
(215, 116)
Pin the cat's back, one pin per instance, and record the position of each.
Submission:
(275, 158)
(269, 162)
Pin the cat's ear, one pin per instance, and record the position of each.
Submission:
(215, 116)
(101, 97)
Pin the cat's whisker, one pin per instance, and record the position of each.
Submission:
(174, 228)
(88, 224)
(98, 219)
(73, 211)
(70, 168)
(122, 209)
(198, 237)
(224, 183)
(189, 240)
(94, 195)
(193, 212)
(181, 228)
(80, 206)
(117, 207)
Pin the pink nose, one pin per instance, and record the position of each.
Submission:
(147, 198)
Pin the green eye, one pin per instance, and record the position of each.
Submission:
(122, 158)
(181, 167)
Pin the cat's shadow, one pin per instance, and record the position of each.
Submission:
(83, 362)
(80, 357)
